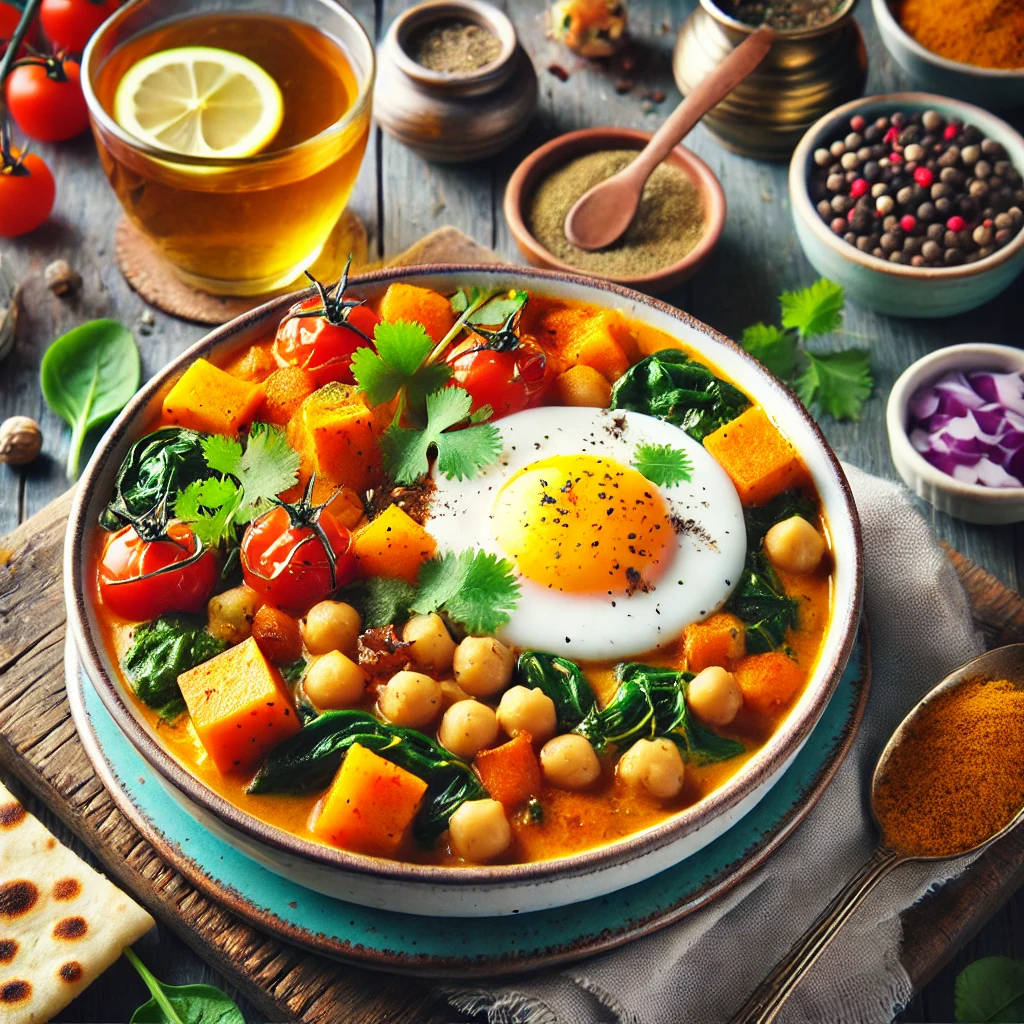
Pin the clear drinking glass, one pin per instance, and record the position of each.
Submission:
(244, 225)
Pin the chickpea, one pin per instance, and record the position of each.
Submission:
(410, 699)
(452, 693)
(523, 710)
(482, 666)
(569, 762)
(467, 728)
(479, 831)
(432, 645)
(334, 681)
(331, 626)
(714, 696)
(583, 386)
(794, 545)
(229, 615)
(656, 765)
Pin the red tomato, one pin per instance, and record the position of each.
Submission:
(68, 24)
(320, 347)
(47, 102)
(506, 381)
(26, 195)
(9, 18)
(287, 564)
(128, 587)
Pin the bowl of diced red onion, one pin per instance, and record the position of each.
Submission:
(956, 431)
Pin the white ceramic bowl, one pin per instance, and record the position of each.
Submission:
(481, 891)
(970, 502)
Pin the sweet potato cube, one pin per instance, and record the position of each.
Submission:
(208, 399)
(421, 305)
(393, 544)
(284, 391)
(759, 459)
(511, 772)
(255, 364)
(240, 706)
(596, 344)
(370, 804)
(719, 640)
(768, 681)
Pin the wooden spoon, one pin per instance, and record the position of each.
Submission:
(602, 215)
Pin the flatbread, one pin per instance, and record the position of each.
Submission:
(61, 923)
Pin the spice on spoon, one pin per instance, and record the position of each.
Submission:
(669, 222)
(454, 46)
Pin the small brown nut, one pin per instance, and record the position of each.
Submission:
(61, 279)
(21, 440)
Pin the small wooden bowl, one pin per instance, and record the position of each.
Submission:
(559, 151)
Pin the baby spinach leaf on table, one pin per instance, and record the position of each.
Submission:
(160, 651)
(88, 376)
(761, 518)
(991, 989)
(560, 679)
(309, 760)
(182, 1004)
(760, 601)
(673, 387)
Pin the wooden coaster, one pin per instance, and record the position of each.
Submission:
(149, 273)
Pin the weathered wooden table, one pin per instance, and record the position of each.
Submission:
(400, 197)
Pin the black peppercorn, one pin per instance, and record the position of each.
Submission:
(944, 208)
(871, 171)
(835, 182)
(936, 231)
(865, 244)
(926, 212)
(953, 257)
(931, 250)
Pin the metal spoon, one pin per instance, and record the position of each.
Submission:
(602, 215)
(769, 997)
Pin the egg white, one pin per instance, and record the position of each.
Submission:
(710, 546)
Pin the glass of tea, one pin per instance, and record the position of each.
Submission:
(232, 131)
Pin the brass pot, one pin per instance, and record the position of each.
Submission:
(805, 75)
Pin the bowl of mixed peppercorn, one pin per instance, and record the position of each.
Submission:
(914, 202)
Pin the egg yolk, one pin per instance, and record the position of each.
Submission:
(584, 525)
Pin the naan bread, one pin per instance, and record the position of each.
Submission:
(61, 924)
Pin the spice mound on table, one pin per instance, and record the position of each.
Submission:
(919, 189)
(454, 46)
(669, 222)
(985, 33)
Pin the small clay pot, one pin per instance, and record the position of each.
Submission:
(447, 116)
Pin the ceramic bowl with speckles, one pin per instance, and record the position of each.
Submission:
(499, 889)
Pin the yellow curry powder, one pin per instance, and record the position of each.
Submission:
(958, 776)
(985, 33)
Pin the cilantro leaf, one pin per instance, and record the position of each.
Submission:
(386, 601)
(397, 365)
(269, 466)
(815, 310)
(475, 589)
(459, 453)
(838, 383)
(662, 464)
(223, 454)
(209, 507)
(774, 348)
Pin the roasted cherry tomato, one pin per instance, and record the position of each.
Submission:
(68, 24)
(138, 581)
(296, 555)
(26, 194)
(46, 100)
(506, 380)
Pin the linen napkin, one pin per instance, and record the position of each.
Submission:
(704, 968)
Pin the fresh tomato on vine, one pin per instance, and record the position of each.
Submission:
(68, 24)
(44, 96)
(142, 579)
(296, 555)
(321, 333)
(26, 193)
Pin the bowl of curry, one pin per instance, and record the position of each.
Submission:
(465, 590)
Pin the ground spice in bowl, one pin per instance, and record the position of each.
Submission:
(668, 225)
(454, 46)
(985, 33)
(786, 15)
(957, 777)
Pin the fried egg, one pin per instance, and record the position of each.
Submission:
(609, 565)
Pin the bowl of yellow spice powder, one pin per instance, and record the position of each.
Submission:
(969, 49)
(677, 225)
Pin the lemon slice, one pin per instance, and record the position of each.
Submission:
(199, 101)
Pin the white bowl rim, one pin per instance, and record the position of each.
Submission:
(790, 734)
(917, 375)
(801, 199)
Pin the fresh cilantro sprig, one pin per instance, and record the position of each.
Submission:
(837, 383)
(662, 464)
(494, 310)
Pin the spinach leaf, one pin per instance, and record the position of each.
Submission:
(651, 702)
(991, 990)
(762, 518)
(562, 681)
(761, 602)
(182, 1004)
(161, 650)
(673, 387)
(156, 467)
(87, 376)
(309, 759)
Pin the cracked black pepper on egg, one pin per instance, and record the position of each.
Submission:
(918, 189)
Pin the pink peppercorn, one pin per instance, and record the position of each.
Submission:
(956, 223)
(908, 222)
(924, 177)
(858, 187)
(950, 132)
(895, 158)
(858, 123)
(890, 136)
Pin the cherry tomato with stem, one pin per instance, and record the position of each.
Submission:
(26, 193)
(143, 579)
(68, 24)
(506, 379)
(44, 96)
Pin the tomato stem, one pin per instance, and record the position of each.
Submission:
(457, 329)
(334, 307)
(7, 160)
